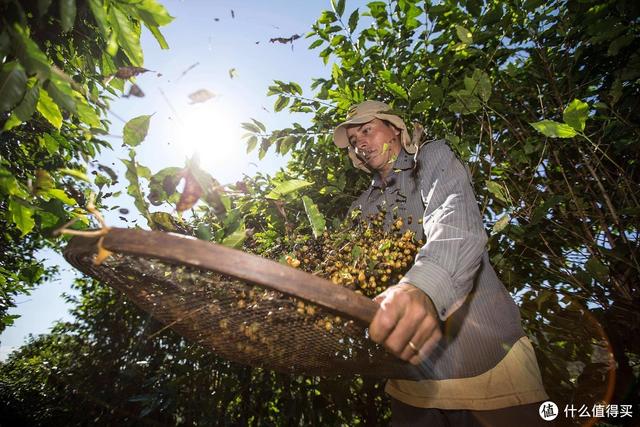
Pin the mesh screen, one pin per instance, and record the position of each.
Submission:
(245, 323)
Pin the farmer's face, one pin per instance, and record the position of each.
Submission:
(377, 143)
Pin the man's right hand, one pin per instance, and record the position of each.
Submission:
(406, 323)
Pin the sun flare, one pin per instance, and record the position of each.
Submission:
(207, 130)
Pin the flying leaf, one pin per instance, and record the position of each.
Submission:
(201, 95)
(554, 129)
(464, 35)
(13, 80)
(189, 68)
(316, 219)
(287, 187)
(135, 130)
(191, 193)
(128, 72)
(135, 90)
(285, 40)
(233, 73)
(575, 115)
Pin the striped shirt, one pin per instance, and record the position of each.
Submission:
(479, 320)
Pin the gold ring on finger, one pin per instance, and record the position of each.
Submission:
(413, 347)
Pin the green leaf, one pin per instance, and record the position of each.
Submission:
(397, 90)
(26, 107)
(260, 125)
(497, 190)
(597, 269)
(315, 44)
(316, 219)
(67, 14)
(356, 252)
(135, 130)
(235, 239)
(87, 114)
(134, 190)
(9, 184)
(163, 185)
(575, 115)
(250, 127)
(60, 195)
(280, 103)
(43, 7)
(154, 13)
(127, 34)
(464, 35)
(287, 187)
(338, 6)
(21, 215)
(251, 143)
(13, 80)
(62, 93)
(50, 143)
(501, 223)
(49, 109)
(74, 173)
(554, 129)
(163, 221)
(31, 57)
(203, 232)
(162, 42)
(353, 20)
(483, 84)
(99, 11)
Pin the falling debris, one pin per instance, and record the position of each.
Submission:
(191, 67)
(109, 171)
(216, 19)
(125, 73)
(128, 72)
(233, 15)
(159, 75)
(201, 95)
(233, 73)
(135, 90)
(285, 40)
(258, 42)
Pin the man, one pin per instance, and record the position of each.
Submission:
(450, 314)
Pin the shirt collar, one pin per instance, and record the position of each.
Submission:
(405, 161)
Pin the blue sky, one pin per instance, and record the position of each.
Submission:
(178, 128)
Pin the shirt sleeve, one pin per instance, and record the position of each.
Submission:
(446, 266)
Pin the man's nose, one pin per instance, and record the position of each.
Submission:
(361, 142)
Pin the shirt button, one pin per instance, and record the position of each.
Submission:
(443, 311)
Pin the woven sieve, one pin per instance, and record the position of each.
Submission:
(245, 308)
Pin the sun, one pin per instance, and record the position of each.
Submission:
(210, 131)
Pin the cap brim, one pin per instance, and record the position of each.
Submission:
(340, 133)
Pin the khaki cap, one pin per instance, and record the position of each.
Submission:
(364, 113)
